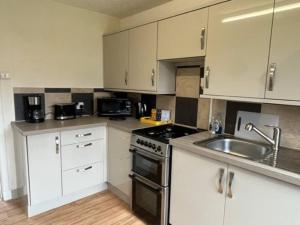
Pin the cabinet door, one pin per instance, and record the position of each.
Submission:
(183, 36)
(259, 199)
(115, 50)
(194, 195)
(238, 48)
(142, 57)
(285, 52)
(119, 160)
(44, 166)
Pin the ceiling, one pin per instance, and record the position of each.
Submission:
(117, 8)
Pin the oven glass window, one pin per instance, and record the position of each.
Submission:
(146, 202)
(148, 168)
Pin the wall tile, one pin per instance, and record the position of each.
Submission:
(55, 98)
(231, 113)
(188, 82)
(100, 95)
(25, 90)
(19, 104)
(289, 122)
(87, 99)
(82, 90)
(186, 111)
(150, 100)
(167, 102)
(203, 113)
(57, 90)
(219, 110)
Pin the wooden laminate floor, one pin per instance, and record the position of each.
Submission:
(100, 209)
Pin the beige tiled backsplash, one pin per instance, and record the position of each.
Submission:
(289, 122)
(55, 98)
(188, 82)
(166, 102)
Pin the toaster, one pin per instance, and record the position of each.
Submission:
(65, 111)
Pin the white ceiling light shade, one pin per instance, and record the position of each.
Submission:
(262, 12)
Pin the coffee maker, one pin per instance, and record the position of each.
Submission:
(33, 109)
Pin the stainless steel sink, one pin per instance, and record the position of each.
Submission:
(238, 147)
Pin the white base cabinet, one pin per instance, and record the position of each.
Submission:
(258, 199)
(44, 167)
(194, 190)
(200, 195)
(62, 167)
(119, 161)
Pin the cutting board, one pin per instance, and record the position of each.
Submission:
(259, 120)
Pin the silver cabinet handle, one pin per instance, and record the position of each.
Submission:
(152, 77)
(221, 174)
(272, 71)
(231, 176)
(206, 76)
(83, 135)
(85, 145)
(57, 145)
(126, 78)
(85, 169)
(202, 39)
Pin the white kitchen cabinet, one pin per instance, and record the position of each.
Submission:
(183, 36)
(238, 48)
(285, 52)
(258, 199)
(119, 160)
(194, 194)
(248, 198)
(44, 167)
(142, 57)
(115, 50)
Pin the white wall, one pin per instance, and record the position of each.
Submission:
(45, 44)
(48, 44)
(168, 9)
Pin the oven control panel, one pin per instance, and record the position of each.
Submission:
(153, 146)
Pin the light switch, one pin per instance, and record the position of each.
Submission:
(4, 75)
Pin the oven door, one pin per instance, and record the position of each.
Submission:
(150, 166)
(150, 201)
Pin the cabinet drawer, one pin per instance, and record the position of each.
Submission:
(82, 135)
(82, 177)
(81, 154)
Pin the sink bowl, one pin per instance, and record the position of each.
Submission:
(238, 147)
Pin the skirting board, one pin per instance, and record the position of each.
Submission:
(13, 194)
(45, 206)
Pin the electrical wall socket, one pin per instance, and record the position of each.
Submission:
(4, 75)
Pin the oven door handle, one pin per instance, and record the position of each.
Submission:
(153, 187)
(148, 155)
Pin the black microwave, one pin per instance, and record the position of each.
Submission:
(114, 107)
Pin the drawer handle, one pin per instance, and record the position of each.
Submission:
(83, 135)
(88, 168)
(85, 145)
(85, 169)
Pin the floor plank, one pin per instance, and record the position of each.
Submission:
(99, 209)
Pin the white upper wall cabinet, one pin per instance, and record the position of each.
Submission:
(283, 82)
(238, 48)
(183, 36)
(142, 57)
(115, 52)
